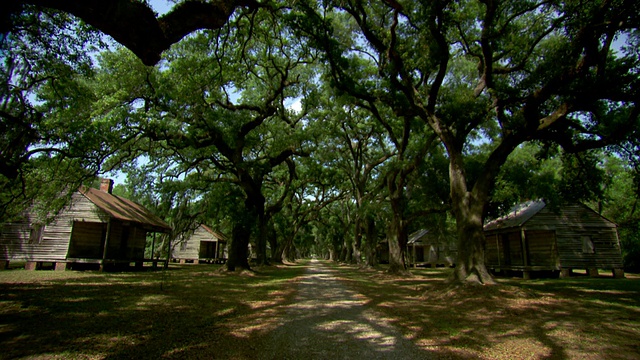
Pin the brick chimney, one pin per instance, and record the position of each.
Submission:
(106, 185)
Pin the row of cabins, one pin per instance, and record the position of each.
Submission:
(98, 227)
(534, 238)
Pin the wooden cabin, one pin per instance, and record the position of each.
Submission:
(96, 227)
(427, 249)
(202, 245)
(536, 237)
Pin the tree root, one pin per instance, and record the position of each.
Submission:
(473, 277)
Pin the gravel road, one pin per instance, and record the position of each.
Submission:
(327, 320)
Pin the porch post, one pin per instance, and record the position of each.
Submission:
(498, 251)
(153, 246)
(525, 256)
(106, 244)
(413, 254)
(523, 241)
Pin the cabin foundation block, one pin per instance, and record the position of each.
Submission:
(4, 264)
(565, 273)
(196, 261)
(183, 261)
(593, 272)
(618, 273)
(31, 265)
(60, 266)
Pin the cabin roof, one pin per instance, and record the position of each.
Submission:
(518, 216)
(218, 235)
(525, 211)
(417, 236)
(124, 209)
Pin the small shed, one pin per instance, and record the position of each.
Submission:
(536, 237)
(96, 227)
(202, 245)
(428, 249)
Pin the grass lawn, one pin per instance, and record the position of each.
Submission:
(188, 311)
(575, 318)
(195, 311)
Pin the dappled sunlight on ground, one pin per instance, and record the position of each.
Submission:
(316, 310)
(518, 319)
(328, 320)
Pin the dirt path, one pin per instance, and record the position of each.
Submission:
(329, 321)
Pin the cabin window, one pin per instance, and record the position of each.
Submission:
(587, 245)
(183, 246)
(35, 235)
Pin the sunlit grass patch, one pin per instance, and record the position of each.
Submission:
(572, 318)
(198, 311)
(149, 314)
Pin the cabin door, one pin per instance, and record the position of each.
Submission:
(506, 250)
(87, 240)
(207, 250)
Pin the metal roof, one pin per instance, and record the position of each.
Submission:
(123, 209)
(518, 216)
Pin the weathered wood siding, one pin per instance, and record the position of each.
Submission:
(14, 238)
(555, 240)
(199, 245)
(572, 224)
(503, 249)
(54, 243)
(541, 248)
(606, 253)
(78, 231)
(492, 251)
(432, 254)
(187, 248)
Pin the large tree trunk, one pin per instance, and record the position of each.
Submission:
(397, 228)
(397, 244)
(241, 235)
(356, 257)
(347, 251)
(261, 241)
(336, 247)
(255, 204)
(468, 208)
(284, 249)
(470, 266)
(239, 249)
(289, 252)
(276, 248)
(371, 242)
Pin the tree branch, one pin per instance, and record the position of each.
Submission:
(134, 24)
